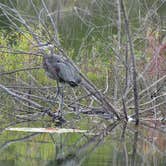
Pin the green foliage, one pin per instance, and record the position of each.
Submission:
(11, 61)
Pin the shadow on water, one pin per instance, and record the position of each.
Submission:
(115, 143)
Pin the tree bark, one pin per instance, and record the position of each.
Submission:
(134, 74)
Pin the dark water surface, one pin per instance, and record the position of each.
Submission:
(108, 144)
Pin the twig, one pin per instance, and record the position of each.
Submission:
(20, 52)
(154, 99)
(149, 109)
(149, 87)
(18, 70)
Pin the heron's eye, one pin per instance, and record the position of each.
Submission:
(57, 61)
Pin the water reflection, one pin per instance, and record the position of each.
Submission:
(114, 144)
(133, 158)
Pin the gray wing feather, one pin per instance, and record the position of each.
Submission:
(67, 73)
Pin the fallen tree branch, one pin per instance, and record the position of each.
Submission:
(20, 97)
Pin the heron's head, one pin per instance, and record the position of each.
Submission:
(54, 58)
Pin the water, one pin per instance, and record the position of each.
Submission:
(109, 143)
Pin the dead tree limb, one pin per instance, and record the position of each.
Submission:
(20, 97)
(134, 74)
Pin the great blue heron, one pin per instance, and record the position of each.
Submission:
(62, 71)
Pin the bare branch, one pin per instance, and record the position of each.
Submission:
(134, 74)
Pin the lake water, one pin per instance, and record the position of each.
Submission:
(107, 144)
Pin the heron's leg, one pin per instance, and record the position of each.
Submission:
(57, 91)
(61, 102)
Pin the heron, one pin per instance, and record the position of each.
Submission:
(61, 70)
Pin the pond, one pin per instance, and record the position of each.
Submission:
(107, 143)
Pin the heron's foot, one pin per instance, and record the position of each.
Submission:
(60, 123)
(46, 111)
(60, 114)
(58, 119)
(62, 120)
(55, 117)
